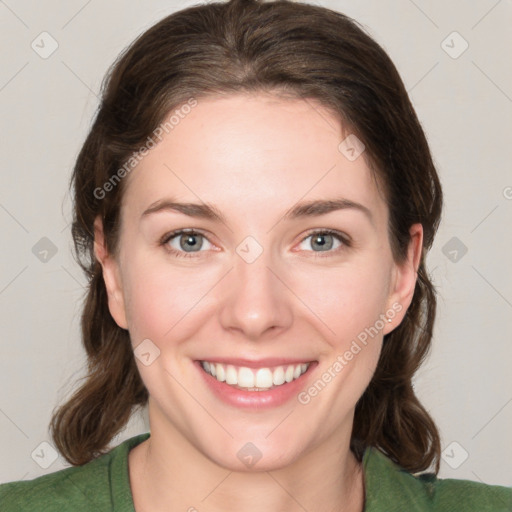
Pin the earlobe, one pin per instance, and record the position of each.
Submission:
(111, 276)
(405, 277)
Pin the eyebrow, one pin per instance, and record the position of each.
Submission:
(301, 210)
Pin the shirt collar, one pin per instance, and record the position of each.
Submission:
(388, 487)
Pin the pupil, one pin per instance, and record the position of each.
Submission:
(189, 239)
(318, 240)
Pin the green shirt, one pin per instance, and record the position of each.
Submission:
(103, 485)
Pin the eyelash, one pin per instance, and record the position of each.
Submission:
(181, 254)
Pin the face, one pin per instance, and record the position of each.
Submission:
(257, 281)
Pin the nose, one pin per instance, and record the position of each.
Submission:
(255, 299)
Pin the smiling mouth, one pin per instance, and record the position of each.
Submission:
(255, 379)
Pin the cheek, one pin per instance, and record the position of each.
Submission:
(347, 299)
(161, 300)
(351, 304)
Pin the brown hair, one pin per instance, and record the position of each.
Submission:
(282, 47)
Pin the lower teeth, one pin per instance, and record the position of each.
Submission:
(252, 389)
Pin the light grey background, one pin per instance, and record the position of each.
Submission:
(465, 105)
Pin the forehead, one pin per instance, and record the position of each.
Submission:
(244, 152)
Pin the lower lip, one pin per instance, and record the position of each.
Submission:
(256, 399)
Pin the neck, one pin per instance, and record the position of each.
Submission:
(168, 473)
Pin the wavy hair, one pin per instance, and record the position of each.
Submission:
(296, 50)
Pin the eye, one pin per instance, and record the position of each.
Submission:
(326, 239)
(184, 242)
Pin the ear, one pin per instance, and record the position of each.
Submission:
(404, 279)
(111, 276)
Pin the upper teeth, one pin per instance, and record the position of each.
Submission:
(250, 378)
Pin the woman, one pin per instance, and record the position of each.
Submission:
(253, 206)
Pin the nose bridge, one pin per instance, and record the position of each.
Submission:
(255, 299)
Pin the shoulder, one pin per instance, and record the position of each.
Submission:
(468, 495)
(78, 488)
(52, 492)
(390, 487)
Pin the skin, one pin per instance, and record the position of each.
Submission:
(253, 157)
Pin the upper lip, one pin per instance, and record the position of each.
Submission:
(257, 363)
